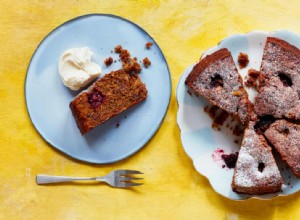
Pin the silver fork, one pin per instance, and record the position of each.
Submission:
(116, 178)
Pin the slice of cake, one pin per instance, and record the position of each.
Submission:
(285, 137)
(256, 171)
(216, 78)
(107, 97)
(279, 89)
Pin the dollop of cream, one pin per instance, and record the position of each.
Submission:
(76, 68)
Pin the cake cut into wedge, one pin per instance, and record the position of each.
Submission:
(216, 78)
(107, 97)
(279, 89)
(285, 137)
(256, 171)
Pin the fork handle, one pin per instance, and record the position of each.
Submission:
(45, 179)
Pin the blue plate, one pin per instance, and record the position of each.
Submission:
(47, 99)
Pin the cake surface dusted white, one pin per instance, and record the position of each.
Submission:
(256, 171)
(279, 90)
(216, 78)
(285, 137)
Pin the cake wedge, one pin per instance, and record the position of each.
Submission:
(279, 89)
(216, 78)
(112, 94)
(256, 171)
(285, 137)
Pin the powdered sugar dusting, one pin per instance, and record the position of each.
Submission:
(275, 97)
(254, 150)
(228, 95)
(276, 58)
(285, 137)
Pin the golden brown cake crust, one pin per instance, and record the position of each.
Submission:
(205, 62)
(285, 45)
(107, 97)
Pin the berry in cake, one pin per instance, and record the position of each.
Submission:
(279, 93)
(256, 171)
(285, 137)
(112, 94)
(223, 159)
(215, 77)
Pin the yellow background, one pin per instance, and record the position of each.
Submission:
(173, 189)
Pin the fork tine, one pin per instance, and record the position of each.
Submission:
(133, 184)
(123, 172)
(127, 178)
(127, 184)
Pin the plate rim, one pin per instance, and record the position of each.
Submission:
(155, 130)
(250, 197)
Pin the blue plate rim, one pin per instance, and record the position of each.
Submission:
(61, 150)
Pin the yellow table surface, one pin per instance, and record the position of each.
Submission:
(172, 189)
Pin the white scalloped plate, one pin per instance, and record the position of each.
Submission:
(199, 140)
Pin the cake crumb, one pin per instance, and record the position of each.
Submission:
(243, 60)
(129, 65)
(218, 116)
(238, 130)
(117, 125)
(252, 78)
(223, 159)
(253, 73)
(230, 159)
(190, 93)
(118, 49)
(108, 61)
(148, 45)
(211, 111)
(220, 119)
(146, 62)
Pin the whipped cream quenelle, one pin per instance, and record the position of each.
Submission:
(76, 68)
